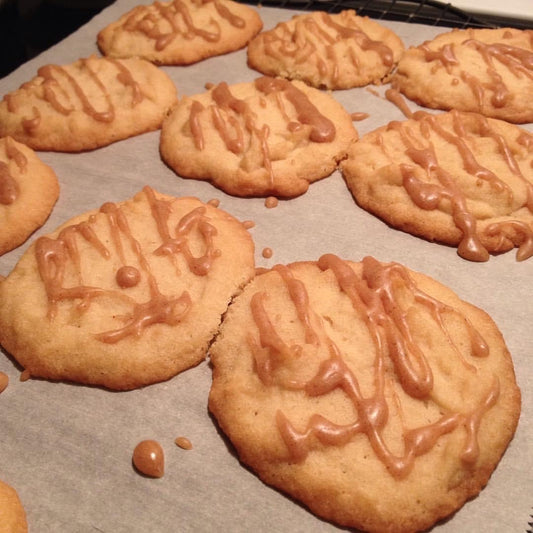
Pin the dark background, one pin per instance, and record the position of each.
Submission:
(28, 27)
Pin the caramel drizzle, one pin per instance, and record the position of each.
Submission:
(518, 62)
(56, 79)
(9, 189)
(236, 125)
(428, 195)
(147, 20)
(56, 255)
(373, 297)
(308, 38)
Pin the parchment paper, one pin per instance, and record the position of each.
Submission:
(67, 448)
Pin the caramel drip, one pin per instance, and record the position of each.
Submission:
(374, 299)
(236, 124)
(429, 195)
(225, 13)
(271, 202)
(183, 442)
(363, 40)
(507, 155)
(51, 84)
(302, 44)
(56, 256)
(31, 124)
(197, 265)
(225, 100)
(358, 116)
(518, 61)
(396, 98)
(469, 161)
(9, 189)
(322, 129)
(125, 77)
(178, 17)
(518, 232)
(196, 129)
(55, 82)
(445, 55)
(128, 276)
(149, 458)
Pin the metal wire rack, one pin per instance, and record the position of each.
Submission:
(429, 12)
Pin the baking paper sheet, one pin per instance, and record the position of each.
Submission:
(67, 448)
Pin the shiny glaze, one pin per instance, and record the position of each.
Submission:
(237, 126)
(149, 458)
(312, 39)
(373, 296)
(183, 442)
(428, 194)
(62, 89)
(57, 255)
(493, 57)
(163, 22)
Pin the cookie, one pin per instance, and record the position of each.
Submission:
(180, 32)
(368, 392)
(487, 71)
(127, 295)
(90, 103)
(12, 514)
(269, 137)
(457, 178)
(28, 192)
(333, 51)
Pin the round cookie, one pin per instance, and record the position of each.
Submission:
(180, 32)
(368, 392)
(28, 192)
(456, 178)
(12, 514)
(127, 295)
(261, 138)
(87, 104)
(487, 71)
(333, 51)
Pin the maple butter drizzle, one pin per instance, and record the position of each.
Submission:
(428, 195)
(373, 297)
(235, 122)
(518, 61)
(9, 189)
(57, 79)
(322, 129)
(164, 22)
(326, 32)
(56, 255)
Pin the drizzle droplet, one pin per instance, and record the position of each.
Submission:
(149, 458)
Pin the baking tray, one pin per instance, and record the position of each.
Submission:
(67, 448)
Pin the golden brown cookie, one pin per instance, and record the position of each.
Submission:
(334, 51)
(487, 71)
(266, 137)
(12, 514)
(127, 295)
(87, 104)
(180, 32)
(369, 392)
(457, 178)
(28, 192)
